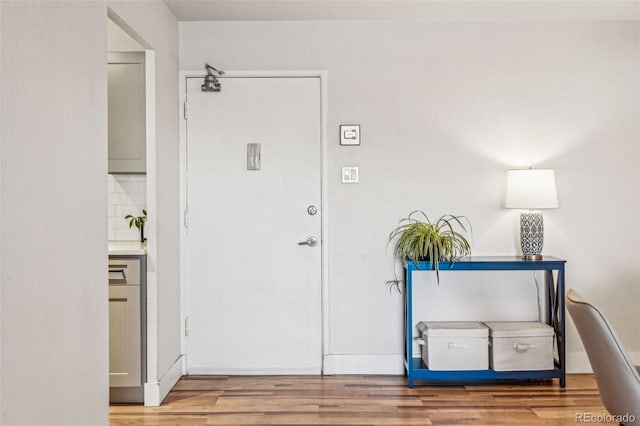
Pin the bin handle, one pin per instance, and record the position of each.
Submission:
(523, 347)
(458, 346)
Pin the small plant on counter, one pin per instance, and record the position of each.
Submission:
(138, 222)
(418, 239)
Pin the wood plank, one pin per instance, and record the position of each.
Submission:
(361, 400)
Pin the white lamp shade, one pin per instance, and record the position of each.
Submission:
(531, 189)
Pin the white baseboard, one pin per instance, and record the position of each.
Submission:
(222, 371)
(170, 377)
(364, 364)
(578, 362)
(155, 392)
(151, 394)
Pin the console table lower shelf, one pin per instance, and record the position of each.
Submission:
(420, 372)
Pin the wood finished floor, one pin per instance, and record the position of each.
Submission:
(361, 400)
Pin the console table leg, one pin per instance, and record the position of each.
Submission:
(408, 325)
(561, 327)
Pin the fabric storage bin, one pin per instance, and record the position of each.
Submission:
(455, 345)
(518, 346)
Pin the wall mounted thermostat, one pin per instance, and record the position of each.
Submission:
(350, 134)
(350, 174)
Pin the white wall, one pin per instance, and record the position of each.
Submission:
(446, 108)
(119, 41)
(53, 294)
(157, 29)
(1, 223)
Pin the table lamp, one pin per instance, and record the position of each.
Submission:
(533, 190)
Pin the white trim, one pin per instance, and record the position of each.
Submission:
(155, 392)
(364, 364)
(324, 275)
(255, 371)
(258, 74)
(171, 377)
(324, 210)
(151, 225)
(151, 394)
(182, 171)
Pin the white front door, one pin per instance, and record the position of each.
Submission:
(254, 293)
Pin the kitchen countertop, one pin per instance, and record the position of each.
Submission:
(123, 248)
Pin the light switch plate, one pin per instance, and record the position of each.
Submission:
(350, 134)
(350, 174)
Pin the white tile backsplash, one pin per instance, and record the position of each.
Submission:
(127, 195)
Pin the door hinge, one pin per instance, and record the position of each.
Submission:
(186, 219)
(186, 326)
(184, 107)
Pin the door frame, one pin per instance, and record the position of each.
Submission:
(324, 185)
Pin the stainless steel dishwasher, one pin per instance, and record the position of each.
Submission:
(127, 328)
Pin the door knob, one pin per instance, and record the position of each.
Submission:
(311, 242)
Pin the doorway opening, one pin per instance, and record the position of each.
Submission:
(131, 191)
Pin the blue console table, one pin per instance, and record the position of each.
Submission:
(555, 317)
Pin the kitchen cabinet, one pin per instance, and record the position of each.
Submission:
(124, 335)
(127, 328)
(126, 109)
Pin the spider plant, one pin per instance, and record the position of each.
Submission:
(418, 239)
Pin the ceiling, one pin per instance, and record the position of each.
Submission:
(402, 10)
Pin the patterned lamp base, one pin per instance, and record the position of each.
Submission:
(531, 234)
